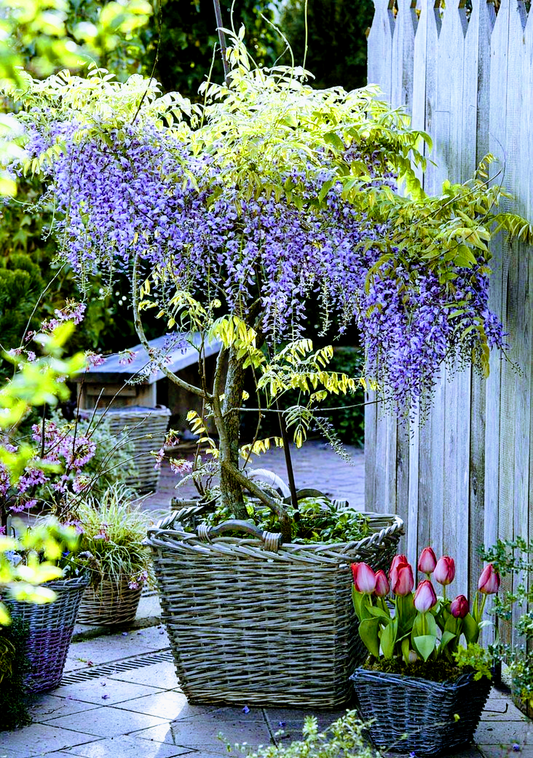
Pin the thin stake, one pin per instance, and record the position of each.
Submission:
(222, 38)
(288, 459)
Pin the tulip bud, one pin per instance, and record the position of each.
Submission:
(402, 582)
(425, 597)
(364, 578)
(444, 570)
(459, 607)
(397, 561)
(382, 584)
(427, 561)
(489, 581)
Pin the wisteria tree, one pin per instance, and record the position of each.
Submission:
(234, 216)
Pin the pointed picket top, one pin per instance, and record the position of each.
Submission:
(380, 46)
(402, 54)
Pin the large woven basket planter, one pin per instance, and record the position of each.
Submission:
(423, 710)
(254, 623)
(110, 603)
(50, 630)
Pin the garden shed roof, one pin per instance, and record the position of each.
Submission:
(115, 369)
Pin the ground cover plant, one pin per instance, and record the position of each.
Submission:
(514, 559)
(230, 216)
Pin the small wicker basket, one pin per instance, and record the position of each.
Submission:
(50, 630)
(111, 603)
(425, 711)
(146, 428)
(252, 622)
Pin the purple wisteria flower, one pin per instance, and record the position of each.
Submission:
(141, 190)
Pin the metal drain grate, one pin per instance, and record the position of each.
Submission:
(108, 669)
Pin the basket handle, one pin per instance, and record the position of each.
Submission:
(270, 540)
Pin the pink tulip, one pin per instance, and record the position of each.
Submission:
(382, 584)
(427, 561)
(397, 561)
(489, 581)
(364, 578)
(444, 570)
(402, 580)
(425, 597)
(459, 607)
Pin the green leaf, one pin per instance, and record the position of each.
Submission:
(424, 645)
(388, 639)
(470, 629)
(368, 631)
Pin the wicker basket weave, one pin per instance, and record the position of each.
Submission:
(425, 711)
(50, 629)
(146, 428)
(253, 623)
(110, 604)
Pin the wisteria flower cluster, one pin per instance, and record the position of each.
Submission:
(56, 468)
(269, 203)
(272, 215)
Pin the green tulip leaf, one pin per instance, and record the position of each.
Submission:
(368, 631)
(406, 647)
(446, 638)
(470, 629)
(380, 613)
(424, 645)
(388, 640)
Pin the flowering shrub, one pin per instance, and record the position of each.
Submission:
(423, 626)
(33, 384)
(231, 216)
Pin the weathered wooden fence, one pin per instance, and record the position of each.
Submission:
(466, 476)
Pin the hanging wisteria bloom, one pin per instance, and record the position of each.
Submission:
(270, 197)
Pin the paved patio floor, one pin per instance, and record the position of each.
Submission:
(120, 697)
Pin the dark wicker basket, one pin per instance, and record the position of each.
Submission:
(253, 622)
(423, 710)
(50, 629)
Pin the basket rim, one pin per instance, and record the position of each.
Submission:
(165, 531)
(383, 677)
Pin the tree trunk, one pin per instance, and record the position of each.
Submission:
(231, 490)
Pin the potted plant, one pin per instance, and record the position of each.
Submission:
(112, 529)
(30, 557)
(420, 690)
(230, 218)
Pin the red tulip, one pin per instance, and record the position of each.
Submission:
(364, 578)
(425, 597)
(444, 570)
(489, 581)
(459, 607)
(402, 580)
(382, 584)
(427, 561)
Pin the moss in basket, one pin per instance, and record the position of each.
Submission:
(111, 543)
